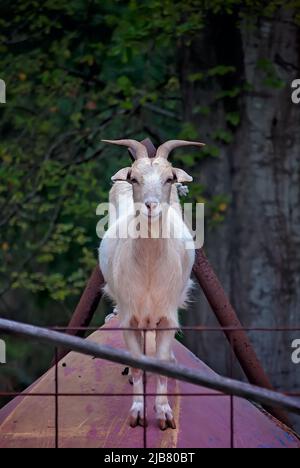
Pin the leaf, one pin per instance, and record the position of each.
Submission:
(233, 118)
(211, 150)
(195, 77)
(223, 135)
(221, 70)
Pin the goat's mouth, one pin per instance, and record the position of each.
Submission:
(152, 215)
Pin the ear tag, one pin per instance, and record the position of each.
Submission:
(182, 190)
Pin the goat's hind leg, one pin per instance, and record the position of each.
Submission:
(133, 340)
(164, 341)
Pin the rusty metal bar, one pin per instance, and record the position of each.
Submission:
(175, 371)
(227, 317)
(86, 307)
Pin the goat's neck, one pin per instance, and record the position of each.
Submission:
(148, 251)
(174, 198)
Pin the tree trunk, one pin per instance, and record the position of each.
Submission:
(256, 250)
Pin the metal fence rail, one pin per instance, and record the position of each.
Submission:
(215, 382)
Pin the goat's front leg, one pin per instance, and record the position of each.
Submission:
(164, 340)
(133, 340)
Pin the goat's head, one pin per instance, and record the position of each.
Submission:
(152, 178)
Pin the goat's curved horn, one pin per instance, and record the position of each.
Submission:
(164, 150)
(139, 150)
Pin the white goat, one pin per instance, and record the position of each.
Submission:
(148, 277)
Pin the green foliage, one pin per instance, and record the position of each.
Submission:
(223, 135)
(211, 150)
(220, 70)
(233, 118)
(75, 74)
(271, 78)
(217, 208)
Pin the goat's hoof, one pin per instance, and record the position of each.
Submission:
(165, 417)
(137, 420)
(163, 424)
(137, 415)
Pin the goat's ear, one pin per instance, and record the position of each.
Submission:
(122, 174)
(181, 175)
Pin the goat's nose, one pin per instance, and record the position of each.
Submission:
(151, 204)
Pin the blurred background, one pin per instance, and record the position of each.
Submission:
(215, 71)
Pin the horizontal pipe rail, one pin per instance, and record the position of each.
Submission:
(215, 382)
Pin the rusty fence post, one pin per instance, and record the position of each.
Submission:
(86, 308)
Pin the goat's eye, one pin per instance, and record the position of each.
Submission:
(169, 180)
(134, 181)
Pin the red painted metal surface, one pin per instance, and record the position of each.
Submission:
(93, 398)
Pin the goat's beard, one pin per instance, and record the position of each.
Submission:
(155, 225)
(152, 216)
(148, 224)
